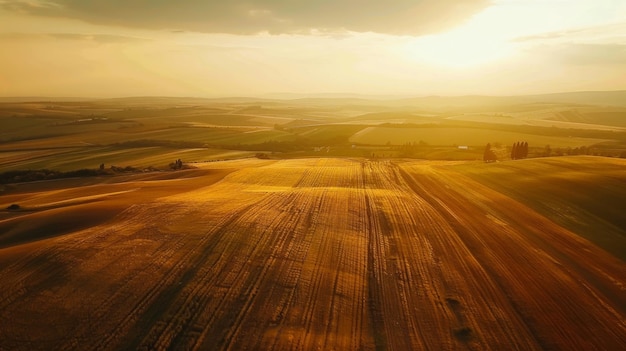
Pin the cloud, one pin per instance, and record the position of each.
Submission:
(612, 32)
(398, 17)
(583, 54)
(26, 5)
(548, 36)
(603, 45)
(593, 54)
(98, 38)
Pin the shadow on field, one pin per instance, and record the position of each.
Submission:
(55, 208)
(29, 226)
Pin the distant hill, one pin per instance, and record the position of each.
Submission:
(451, 103)
(612, 98)
(607, 118)
(602, 98)
(22, 99)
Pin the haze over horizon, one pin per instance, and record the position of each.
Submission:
(249, 48)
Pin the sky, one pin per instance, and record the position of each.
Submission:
(200, 48)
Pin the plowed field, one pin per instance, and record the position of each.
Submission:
(318, 254)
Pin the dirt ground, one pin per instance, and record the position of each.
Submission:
(309, 254)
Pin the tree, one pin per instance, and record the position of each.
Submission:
(514, 151)
(524, 152)
(178, 164)
(519, 150)
(489, 155)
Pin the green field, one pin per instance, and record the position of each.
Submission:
(142, 132)
(460, 136)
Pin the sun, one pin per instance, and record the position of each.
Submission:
(483, 39)
(458, 49)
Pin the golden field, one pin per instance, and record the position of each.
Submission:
(305, 254)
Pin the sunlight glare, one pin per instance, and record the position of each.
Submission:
(458, 49)
(482, 40)
(490, 35)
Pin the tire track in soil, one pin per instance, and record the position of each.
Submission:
(282, 291)
(173, 267)
(349, 255)
(215, 286)
(242, 283)
(154, 306)
(447, 299)
(388, 313)
(319, 284)
(545, 290)
(57, 263)
(131, 224)
(275, 255)
(178, 327)
(166, 252)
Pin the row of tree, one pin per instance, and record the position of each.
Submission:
(519, 150)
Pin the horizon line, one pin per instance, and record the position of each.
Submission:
(298, 96)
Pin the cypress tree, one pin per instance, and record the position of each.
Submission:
(525, 150)
(489, 155)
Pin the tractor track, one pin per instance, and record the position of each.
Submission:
(328, 254)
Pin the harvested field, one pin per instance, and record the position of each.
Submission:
(309, 254)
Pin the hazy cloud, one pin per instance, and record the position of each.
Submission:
(599, 45)
(98, 38)
(583, 54)
(549, 36)
(613, 32)
(404, 17)
(594, 54)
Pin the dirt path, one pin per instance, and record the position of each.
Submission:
(318, 254)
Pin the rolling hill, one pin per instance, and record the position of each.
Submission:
(325, 253)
